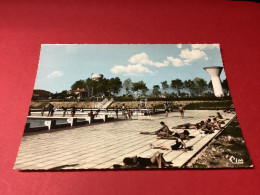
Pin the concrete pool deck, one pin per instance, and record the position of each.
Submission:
(100, 146)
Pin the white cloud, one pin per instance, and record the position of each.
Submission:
(179, 46)
(175, 61)
(135, 70)
(194, 54)
(143, 59)
(204, 46)
(55, 74)
(159, 64)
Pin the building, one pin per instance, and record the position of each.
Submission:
(39, 94)
(77, 91)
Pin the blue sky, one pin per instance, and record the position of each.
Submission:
(61, 65)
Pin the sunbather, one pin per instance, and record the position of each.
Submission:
(177, 146)
(215, 124)
(156, 161)
(189, 126)
(219, 116)
(207, 127)
(163, 131)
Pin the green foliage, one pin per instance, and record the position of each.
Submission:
(156, 90)
(78, 84)
(101, 87)
(140, 86)
(210, 86)
(177, 84)
(233, 129)
(225, 86)
(238, 149)
(209, 105)
(189, 85)
(164, 85)
(128, 85)
(214, 163)
(115, 85)
(198, 165)
(161, 106)
(199, 86)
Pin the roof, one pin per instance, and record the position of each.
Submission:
(40, 92)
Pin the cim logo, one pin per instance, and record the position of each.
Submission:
(236, 160)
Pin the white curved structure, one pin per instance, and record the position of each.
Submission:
(96, 76)
(214, 73)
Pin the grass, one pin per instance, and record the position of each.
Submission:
(238, 149)
(198, 165)
(235, 147)
(213, 163)
(233, 130)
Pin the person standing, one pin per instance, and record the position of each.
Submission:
(123, 108)
(181, 111)
(52, 111)
(166, 109)
(73, 111)
(153, 109)
(43, 109)
(50, 108)
(116, 111)
(64, 111)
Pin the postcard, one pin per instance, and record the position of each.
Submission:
(131, 106)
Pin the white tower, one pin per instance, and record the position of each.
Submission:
(214, 73)
(96, 76)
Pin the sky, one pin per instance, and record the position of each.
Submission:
(60, 65)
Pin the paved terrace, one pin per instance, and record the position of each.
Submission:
(102, 145)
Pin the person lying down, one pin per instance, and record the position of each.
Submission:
(156, 161)
(185, 135)
(179, 145)
(162, 132)
(189, 126)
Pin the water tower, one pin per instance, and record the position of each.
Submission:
(214, 73)
(96, 76)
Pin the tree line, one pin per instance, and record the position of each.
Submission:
(112, 87)
(194, 87)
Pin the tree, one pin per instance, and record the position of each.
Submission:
(78, 84)
(189, 85)
(128, 85)
(91, 86)
(115, 85)
(177, 84)
(210, 86)
(156, 90)
(200, 85)
(139, 86)
(165, 86)
(225, 85)
(102, 87)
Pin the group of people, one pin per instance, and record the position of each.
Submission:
(157, 160)
(165, 133)
(126, 112)
(167, 109)
(208, 126)
(51, 109)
